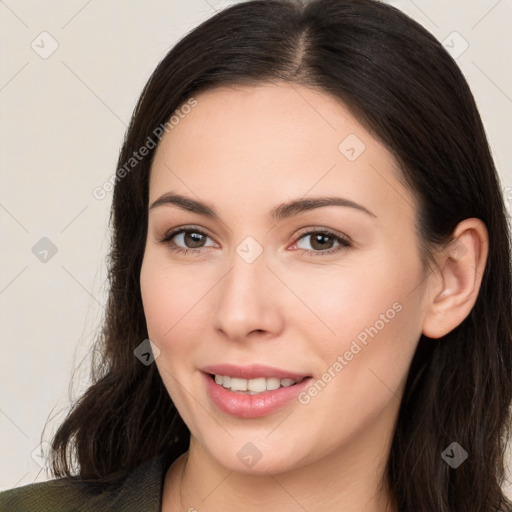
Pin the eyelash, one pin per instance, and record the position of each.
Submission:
(344, 243)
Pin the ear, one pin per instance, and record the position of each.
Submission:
(455, 285)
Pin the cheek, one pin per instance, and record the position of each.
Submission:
(366, 293)
(170, 298)
(156, 294)
(367, 324)
(167, 310)
(361, 369)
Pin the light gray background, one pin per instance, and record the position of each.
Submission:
(63, 117)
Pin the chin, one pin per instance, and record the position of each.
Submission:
(253, 456)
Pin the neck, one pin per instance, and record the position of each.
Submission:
(351, 479)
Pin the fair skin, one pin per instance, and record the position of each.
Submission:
(244, 150)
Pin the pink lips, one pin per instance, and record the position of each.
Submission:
(251, 406)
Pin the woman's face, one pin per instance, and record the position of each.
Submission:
(259, 298)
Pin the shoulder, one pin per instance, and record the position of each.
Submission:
(140, 491)
(57, 495)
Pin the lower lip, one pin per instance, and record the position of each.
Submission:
(252, 406)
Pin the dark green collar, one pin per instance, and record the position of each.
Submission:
(141, 491)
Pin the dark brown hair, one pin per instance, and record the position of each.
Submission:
(402, 85)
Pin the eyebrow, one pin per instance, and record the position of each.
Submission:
(278, 213)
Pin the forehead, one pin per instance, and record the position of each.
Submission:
(267, 117)
(281, 140)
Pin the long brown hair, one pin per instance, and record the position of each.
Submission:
(402, 85)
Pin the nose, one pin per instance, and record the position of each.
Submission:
(248, 301)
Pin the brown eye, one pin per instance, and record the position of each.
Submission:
(186, 240)
(323, 242)
(192, 239)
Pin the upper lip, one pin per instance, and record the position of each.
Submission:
(252, 371)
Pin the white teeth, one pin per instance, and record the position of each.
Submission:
(238, 384)
(273, 383)
(258, 385)
(253, 386)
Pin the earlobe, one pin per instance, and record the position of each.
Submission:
(458, 278)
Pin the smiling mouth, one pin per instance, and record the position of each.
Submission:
(254, 386)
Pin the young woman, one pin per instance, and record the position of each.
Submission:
(308, 226)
